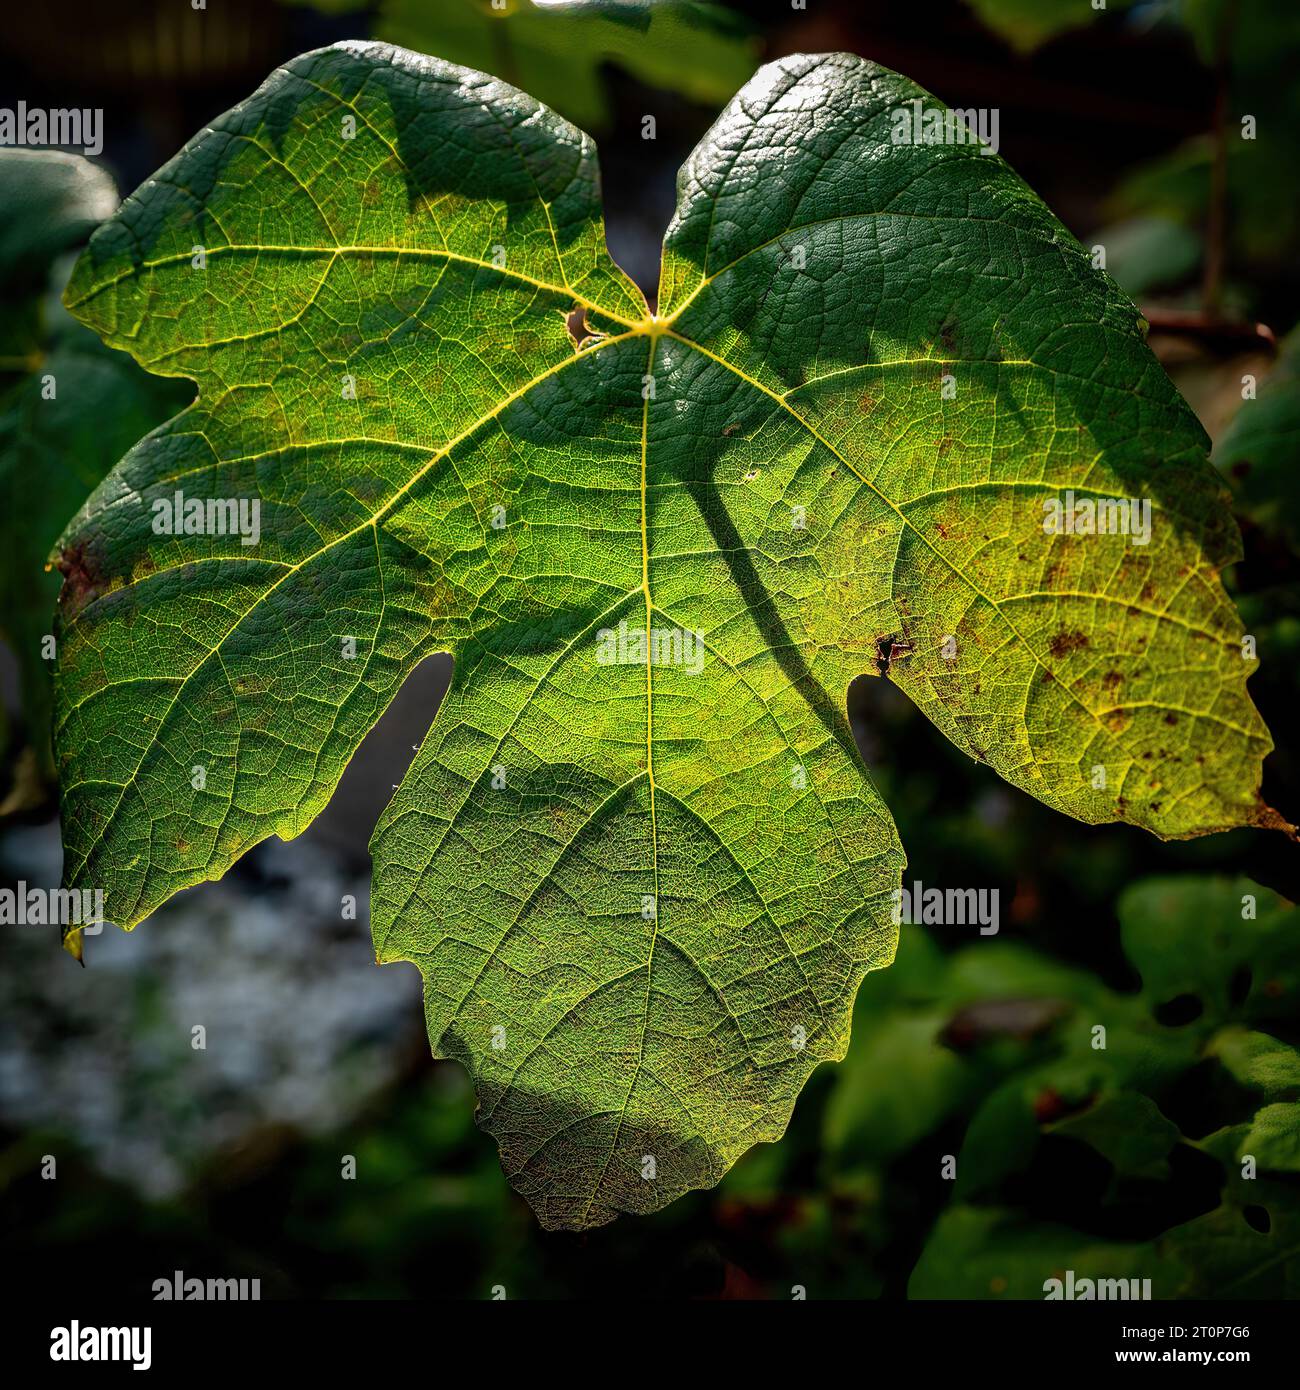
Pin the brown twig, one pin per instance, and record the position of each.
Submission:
(1217, 220)
(1217, 333)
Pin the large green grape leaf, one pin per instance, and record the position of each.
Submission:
(642, 883)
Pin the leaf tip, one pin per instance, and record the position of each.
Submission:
(74, 945)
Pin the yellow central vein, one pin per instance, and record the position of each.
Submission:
(649, 672)
(646, 389)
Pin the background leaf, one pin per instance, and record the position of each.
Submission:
(69, 407)
(557, 50)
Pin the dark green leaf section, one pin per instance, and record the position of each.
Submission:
(642, 884)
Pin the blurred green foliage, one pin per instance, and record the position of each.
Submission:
(1258, 451)
(1251, 47)
(1255, 47)
(1146, 254)
(69, 409)
(1025, 24)
(556, 50)
(1222, 955)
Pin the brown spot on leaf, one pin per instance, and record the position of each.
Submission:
(143, 568)
(1066, 642)
(83, 578)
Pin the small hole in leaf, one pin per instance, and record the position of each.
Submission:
(1180, 1010)
(575, 321)
(1258, 1219)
